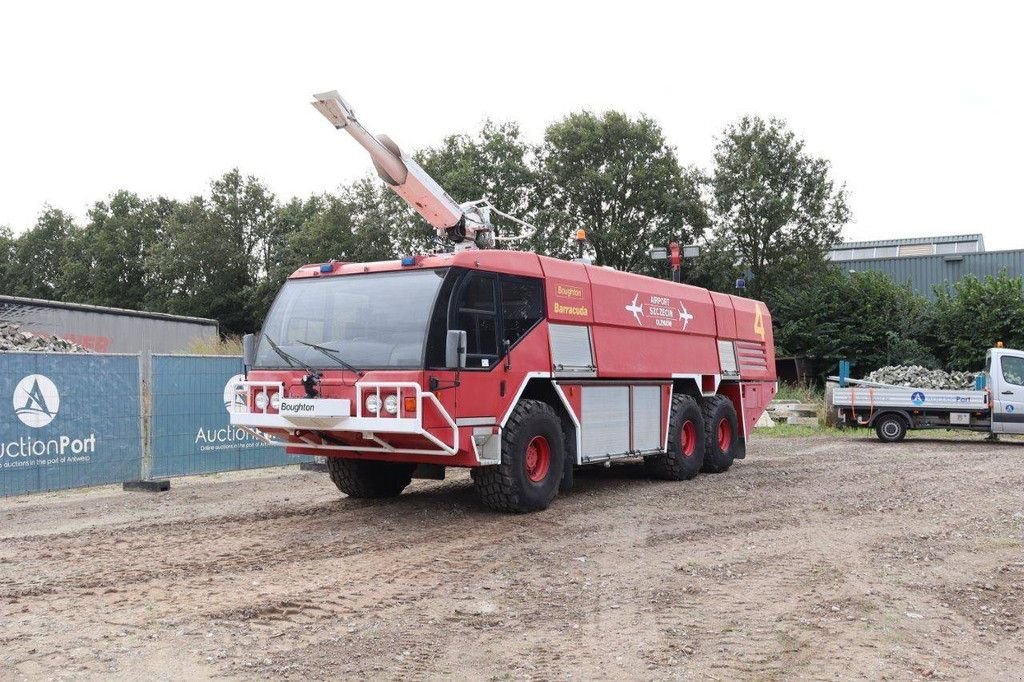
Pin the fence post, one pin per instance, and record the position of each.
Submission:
(146, 482)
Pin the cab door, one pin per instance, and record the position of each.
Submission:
(1007, 374)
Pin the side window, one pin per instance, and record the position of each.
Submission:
(1013, 370)
(476, 313)
(522, 306)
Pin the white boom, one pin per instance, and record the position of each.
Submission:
(466, 224)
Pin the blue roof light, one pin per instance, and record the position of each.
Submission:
(408, 260)
(327, 267)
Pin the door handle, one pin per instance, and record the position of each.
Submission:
(1007, 392)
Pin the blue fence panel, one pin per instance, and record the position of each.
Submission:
(190, 432)
(73, 420)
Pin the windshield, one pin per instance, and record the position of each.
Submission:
(369, 321)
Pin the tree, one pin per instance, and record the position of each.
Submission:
(776, 205)
(215, 252)
(864, 317)
(40, 256)
(7, 256)
(108, 264)
(618, 179)
(975, 314)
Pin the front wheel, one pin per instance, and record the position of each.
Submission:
(891, 428)
(532, 461)
(369, 478)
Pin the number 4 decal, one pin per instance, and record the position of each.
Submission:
(759, 321)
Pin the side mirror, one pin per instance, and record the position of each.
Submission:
(455, 349)
(249, 350)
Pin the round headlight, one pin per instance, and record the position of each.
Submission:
(391, 404)
(275, 401)
(373, 403)
(262, 400)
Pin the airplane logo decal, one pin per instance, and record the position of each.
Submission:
(661, 311)
(684, 315)
(636, 309)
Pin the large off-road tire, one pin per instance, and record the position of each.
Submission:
(369, 478)
(721, 434)
(532, 461)
(682, 460)
(891, 428)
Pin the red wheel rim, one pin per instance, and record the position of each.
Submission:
(688, 439)
(724, 435)
(538, 459)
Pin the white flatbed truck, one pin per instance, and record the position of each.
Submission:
(997, 407)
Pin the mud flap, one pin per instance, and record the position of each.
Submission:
(741, 449)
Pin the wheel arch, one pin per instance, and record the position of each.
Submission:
(902, 414)
(547, 391)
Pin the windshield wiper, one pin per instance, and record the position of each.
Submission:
(288, 357)
(310, 382)
(333, 355)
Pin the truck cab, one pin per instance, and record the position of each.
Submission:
(1004, 370)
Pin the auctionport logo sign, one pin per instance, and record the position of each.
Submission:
(36, 403)
(36, 400)
(227, 437)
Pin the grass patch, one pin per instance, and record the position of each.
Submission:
(803, 392)
(229, 345)
(798, 431)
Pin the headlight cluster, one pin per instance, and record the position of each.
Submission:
(262, 399)
(373, 404)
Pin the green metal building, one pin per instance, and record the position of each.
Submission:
(927, 262)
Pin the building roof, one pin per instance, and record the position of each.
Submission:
(945, 239)
(83, 307)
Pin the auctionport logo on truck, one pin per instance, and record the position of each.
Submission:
(36, 402)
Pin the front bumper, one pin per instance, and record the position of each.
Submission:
(308, 422)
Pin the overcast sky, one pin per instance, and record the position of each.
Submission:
(918, 106)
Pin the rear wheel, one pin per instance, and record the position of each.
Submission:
(891, 428)
(367, 478)
(682, 460)
(721, 434)
(532, 461)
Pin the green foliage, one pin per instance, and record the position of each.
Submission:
(863, 316)
(777, 208)
(804, 392)
(619, 179)
(36, 268)
(975, 314)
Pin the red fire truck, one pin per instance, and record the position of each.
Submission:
(517, 366)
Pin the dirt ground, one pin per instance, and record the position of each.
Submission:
(813, 558)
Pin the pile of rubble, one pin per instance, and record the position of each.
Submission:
(922, 377)
(13, 339)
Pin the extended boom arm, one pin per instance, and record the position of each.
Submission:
(408, 179)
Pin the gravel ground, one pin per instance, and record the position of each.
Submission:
(814, 558)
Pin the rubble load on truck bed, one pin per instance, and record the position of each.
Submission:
(922, 377)
(12, 339)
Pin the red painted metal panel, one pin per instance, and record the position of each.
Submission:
(568, 293)
(725, 316)
(642, 354)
